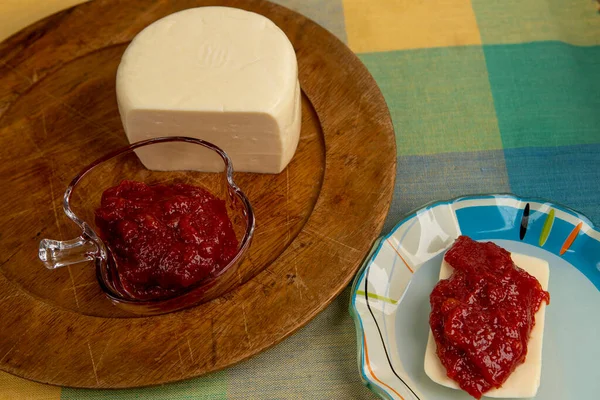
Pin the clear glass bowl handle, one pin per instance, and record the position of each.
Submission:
(55, 253)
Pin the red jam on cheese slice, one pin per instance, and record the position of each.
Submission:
(482, 315)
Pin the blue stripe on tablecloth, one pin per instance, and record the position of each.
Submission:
(565, 174)
(422, 179)
(329, 14)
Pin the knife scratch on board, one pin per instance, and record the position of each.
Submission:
(93, 363)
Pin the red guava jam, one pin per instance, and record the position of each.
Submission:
(482, 316)
(164, 238)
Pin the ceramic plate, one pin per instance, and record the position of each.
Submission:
(390, 298)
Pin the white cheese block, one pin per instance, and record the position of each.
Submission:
(221, 74)
(525, 379)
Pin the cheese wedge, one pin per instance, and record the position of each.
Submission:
(220, 74)
(525, 379)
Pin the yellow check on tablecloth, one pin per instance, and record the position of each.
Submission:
(485, 96)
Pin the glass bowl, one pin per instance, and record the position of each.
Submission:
(83, 195)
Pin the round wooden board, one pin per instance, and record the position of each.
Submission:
(315, 221)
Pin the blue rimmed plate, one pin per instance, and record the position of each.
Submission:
(390, 295)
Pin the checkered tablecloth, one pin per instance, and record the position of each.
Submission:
(486, 96)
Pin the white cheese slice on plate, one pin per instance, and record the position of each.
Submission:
(220, 74)
(525, 379)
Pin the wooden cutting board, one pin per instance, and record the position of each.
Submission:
(315, 221)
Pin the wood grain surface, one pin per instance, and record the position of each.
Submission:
(315, 221)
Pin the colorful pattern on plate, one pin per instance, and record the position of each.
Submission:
(390, 296)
